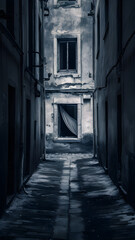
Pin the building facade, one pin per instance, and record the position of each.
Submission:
(69, 118)
(114, 97)
(22, 118)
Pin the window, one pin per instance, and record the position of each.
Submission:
(106, 18)
(67, 120)
(40, 53)
(10, 14)
(119, 26)
(106, 13)
(98, 33)
(30, 35)
(67, 54)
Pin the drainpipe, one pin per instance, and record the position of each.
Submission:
(94, 143)
(93, 45)
(43, 56)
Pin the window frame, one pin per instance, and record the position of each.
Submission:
(106, 9)
(67, 41)
(59, 130)
(75, 73)
(10, 11)
(98, 33)
(56, 103)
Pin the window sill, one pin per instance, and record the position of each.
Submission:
(67, 4)
(67, 74)
(61, 139)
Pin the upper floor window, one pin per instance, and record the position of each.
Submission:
(106, 18)
(98, 33)
(106, 12)
(30, 42)
(10, 14)
(67, 54)
(119, 26)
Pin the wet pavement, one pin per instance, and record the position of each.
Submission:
(69, 197)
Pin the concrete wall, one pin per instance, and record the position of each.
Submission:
(69, 20)
(119, 81)
(14, 54)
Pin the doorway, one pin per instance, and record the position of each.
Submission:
(11, 141)
(28, 133)
(119, 134)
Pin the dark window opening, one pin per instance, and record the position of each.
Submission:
(28, 133)
(30, 51)
(119, 26)
(72, 55)
(67, 120)
(40, 53)
(11, 140)
(63, 55)
(10, 14)
(106, 18)
(106, 13)
(67, 54)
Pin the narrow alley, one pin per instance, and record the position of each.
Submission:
(69, 197)
(67, 120)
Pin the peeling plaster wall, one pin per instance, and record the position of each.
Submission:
(85, 142)
(70, 20)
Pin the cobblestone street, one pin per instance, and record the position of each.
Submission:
(69, 197)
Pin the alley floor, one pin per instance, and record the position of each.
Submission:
(69, 197)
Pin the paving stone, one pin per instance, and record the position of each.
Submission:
(76, 223)
(61, 228)
(69, 197)
(76, 236)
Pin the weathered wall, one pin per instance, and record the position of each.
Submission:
(70, 20)
(120, 82)
(54, 143)
(9, 75)
(14, 61)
